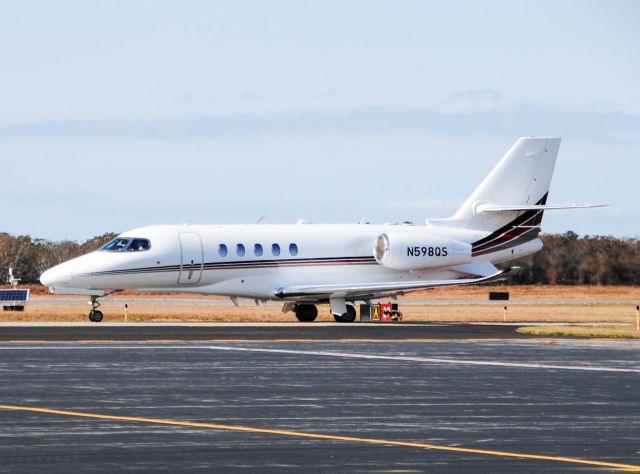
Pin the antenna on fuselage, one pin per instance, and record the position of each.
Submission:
(260, 220)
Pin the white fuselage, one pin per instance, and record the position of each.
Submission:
(187, 258)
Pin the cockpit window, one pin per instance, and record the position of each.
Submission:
(138, 245)
(117, 245)
(120, 244)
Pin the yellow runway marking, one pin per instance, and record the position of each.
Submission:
(300, 434)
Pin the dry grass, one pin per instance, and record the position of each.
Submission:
(532, 292)
(478, 292)
(584, 304)
(521, 313)
(617, 331)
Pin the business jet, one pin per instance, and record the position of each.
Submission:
(304, 264)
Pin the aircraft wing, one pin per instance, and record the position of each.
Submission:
(378, 290)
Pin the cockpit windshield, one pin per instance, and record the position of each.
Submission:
(117, 245)
(138, 245)
(120, 244)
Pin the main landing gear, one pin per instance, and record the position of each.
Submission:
(306, 313)
(342, 312)
(95, 315)
(348, 317)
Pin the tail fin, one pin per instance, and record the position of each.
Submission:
(520, 181)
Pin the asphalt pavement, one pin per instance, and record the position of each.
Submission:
(276, 405)
(251, 331)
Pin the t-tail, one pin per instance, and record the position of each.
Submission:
(509, 203)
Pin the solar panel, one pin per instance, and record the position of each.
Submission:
(14, 296)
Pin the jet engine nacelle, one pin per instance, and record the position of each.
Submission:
(417, 252)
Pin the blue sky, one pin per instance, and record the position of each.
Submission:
(116, 114)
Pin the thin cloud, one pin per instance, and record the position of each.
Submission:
(473, 100)
(525, 120)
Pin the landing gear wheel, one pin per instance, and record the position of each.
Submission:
(95, 316)
(348, 317)
(306, 313)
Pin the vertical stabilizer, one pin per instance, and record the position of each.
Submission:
(522, 176)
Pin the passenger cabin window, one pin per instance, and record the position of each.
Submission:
(275, 250)
(257, 250)
(222, 250)
(240, 250)
(293, 250)
(131, 245)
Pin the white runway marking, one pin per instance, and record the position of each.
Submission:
(348, 355)
(432, 360)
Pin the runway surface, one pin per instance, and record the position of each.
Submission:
(250, 331)
(379, 405)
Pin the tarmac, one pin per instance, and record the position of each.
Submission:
(314, 398)
(87, 331)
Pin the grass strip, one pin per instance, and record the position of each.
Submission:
(614, 331)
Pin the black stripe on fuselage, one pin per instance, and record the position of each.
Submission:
(526, 236)
(520, 230)
(249, 264)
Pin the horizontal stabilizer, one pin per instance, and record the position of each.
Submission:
(532, 207)
(374, 290)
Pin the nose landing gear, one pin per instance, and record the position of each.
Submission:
(95, 315)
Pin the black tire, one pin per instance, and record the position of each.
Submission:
(306, 313)
(338, 318)
(350, 315)
(96, 316)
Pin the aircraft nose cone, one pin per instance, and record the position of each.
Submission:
(47, 278)
(53, 276)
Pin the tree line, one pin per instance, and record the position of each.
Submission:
(566, 259)
(30, 257)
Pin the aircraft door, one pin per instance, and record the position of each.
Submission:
(191, 265)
